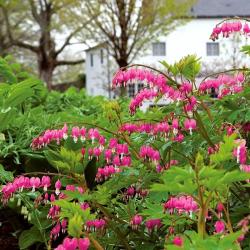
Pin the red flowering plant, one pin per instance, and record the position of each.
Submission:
(176, 177)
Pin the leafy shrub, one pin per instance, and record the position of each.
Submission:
(176, 177)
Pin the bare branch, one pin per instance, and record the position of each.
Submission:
(13, 40)
(34, 11)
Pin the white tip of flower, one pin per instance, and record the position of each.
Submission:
(57, 192)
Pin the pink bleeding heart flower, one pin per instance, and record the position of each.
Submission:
(219, 226)
(58, 185)
(190, 124)
(45, 182)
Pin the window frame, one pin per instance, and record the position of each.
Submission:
(102, 56)
(157, 50)
(91, 60)
(212, 49)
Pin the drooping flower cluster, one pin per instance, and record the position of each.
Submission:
(150, 224)
(182, 204)
(153, 224)
(20, 183)
(77, 133)
(136, 221)
(162, 129)
(133, 75)
(105, 173)
(93, 225)
(50, 135)
(148, 153)
(143, 95)
(132, 192)
(74, 243)
(226, 29)
(224, 85)
(155, 86)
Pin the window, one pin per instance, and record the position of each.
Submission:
(213, 49)
(131, 90)
(140, 87)
(101, 52)
(91, 60)
(159, 49)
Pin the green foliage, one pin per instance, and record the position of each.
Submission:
(246, 49)
(188, 67)
(5, 176)
(29, 237)
(71, 209)
(75, 225)
(66, 161)
(225, 150)
(207, 178)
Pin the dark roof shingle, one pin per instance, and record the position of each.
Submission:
(221, 8)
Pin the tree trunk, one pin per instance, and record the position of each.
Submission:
(122, 63)
(46, 74)
(46, 66)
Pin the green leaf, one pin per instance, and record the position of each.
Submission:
(75, 226)
(234, 176)
(246, 49)
(225, 150)
(5, 176)
(29, 237)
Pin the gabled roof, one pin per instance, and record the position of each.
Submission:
(221, 8)
(99, 45)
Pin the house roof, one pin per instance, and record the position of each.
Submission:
(99, 45)
(221, 8)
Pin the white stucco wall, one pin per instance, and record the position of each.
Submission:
(190, 38)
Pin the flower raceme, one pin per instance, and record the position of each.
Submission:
(58, 135)
(74, 243)
(226, 29)
(162, 129)
(145, 94)
(22, 182)
(136, 221)
(93, 225)
(131, 76)
(224, 84)
(153, 224)
(182, 204)
(105, 173)
(155, 86)
(147, 152)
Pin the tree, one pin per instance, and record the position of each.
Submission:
(43, 21)
(128, 25)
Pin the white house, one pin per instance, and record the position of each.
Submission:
(190, 38)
